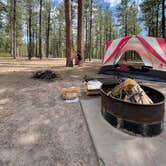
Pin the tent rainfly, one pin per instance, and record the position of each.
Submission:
(151, 50)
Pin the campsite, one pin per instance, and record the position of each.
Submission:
(37, 126)
(82, 83)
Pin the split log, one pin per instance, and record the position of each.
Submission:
(133, 92)
(71, 93)
(140, 96)
(126, 86)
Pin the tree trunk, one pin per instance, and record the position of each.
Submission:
(126, 28)
(33, 42)
(149, 29)
(27, 33)
(30, 32)
(86, 38)
(48, 31)
(36, 51)
(40, 30)
(100, 36)
(80, 29)
(163, 19)
(157, 19)
(96, 43)
(100, 45)
(11, 25)
(14, 29)
(69, 59)
(90, 30)
(126, 33)
(59, 52)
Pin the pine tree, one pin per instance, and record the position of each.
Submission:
(48, 17)
(163, 20)
(133, 22)
(80, 29)
(3, 40)
(14, 29)
(69, 60)
(123, 14)
(29, 28)
(127, 14)
(153, 16)
(40, 29)
(19, 28)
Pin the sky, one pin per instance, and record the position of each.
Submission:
(57, 2)
(113, 5)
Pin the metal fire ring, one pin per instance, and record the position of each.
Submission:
(135, 119)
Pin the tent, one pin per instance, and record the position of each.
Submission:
(151, 50)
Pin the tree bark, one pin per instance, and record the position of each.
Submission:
(14, 29)
(100, 34)
(59, 52)
(86, 38)
(36, 36)
(30, 32)
(33, 42)
(27, 33)
(69, 59)
(40, 30)
(11, 25)
(90, 30)
(48, 31)
(157, 19)
(126, 28)
(163, 19)
(80, 29)
(96, 44)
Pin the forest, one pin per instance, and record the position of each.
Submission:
(41, 28)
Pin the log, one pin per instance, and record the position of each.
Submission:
(71, 93)
(133, 92)
(126, 86)
(141, 97)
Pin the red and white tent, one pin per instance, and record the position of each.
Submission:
(151, 50)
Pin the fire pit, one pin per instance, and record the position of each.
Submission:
(135, 119)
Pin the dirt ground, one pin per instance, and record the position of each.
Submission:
(38, 128)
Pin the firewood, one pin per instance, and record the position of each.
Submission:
(133, 92)
(71, 90)
(71, 93)
(126, 86)
(141, 97)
